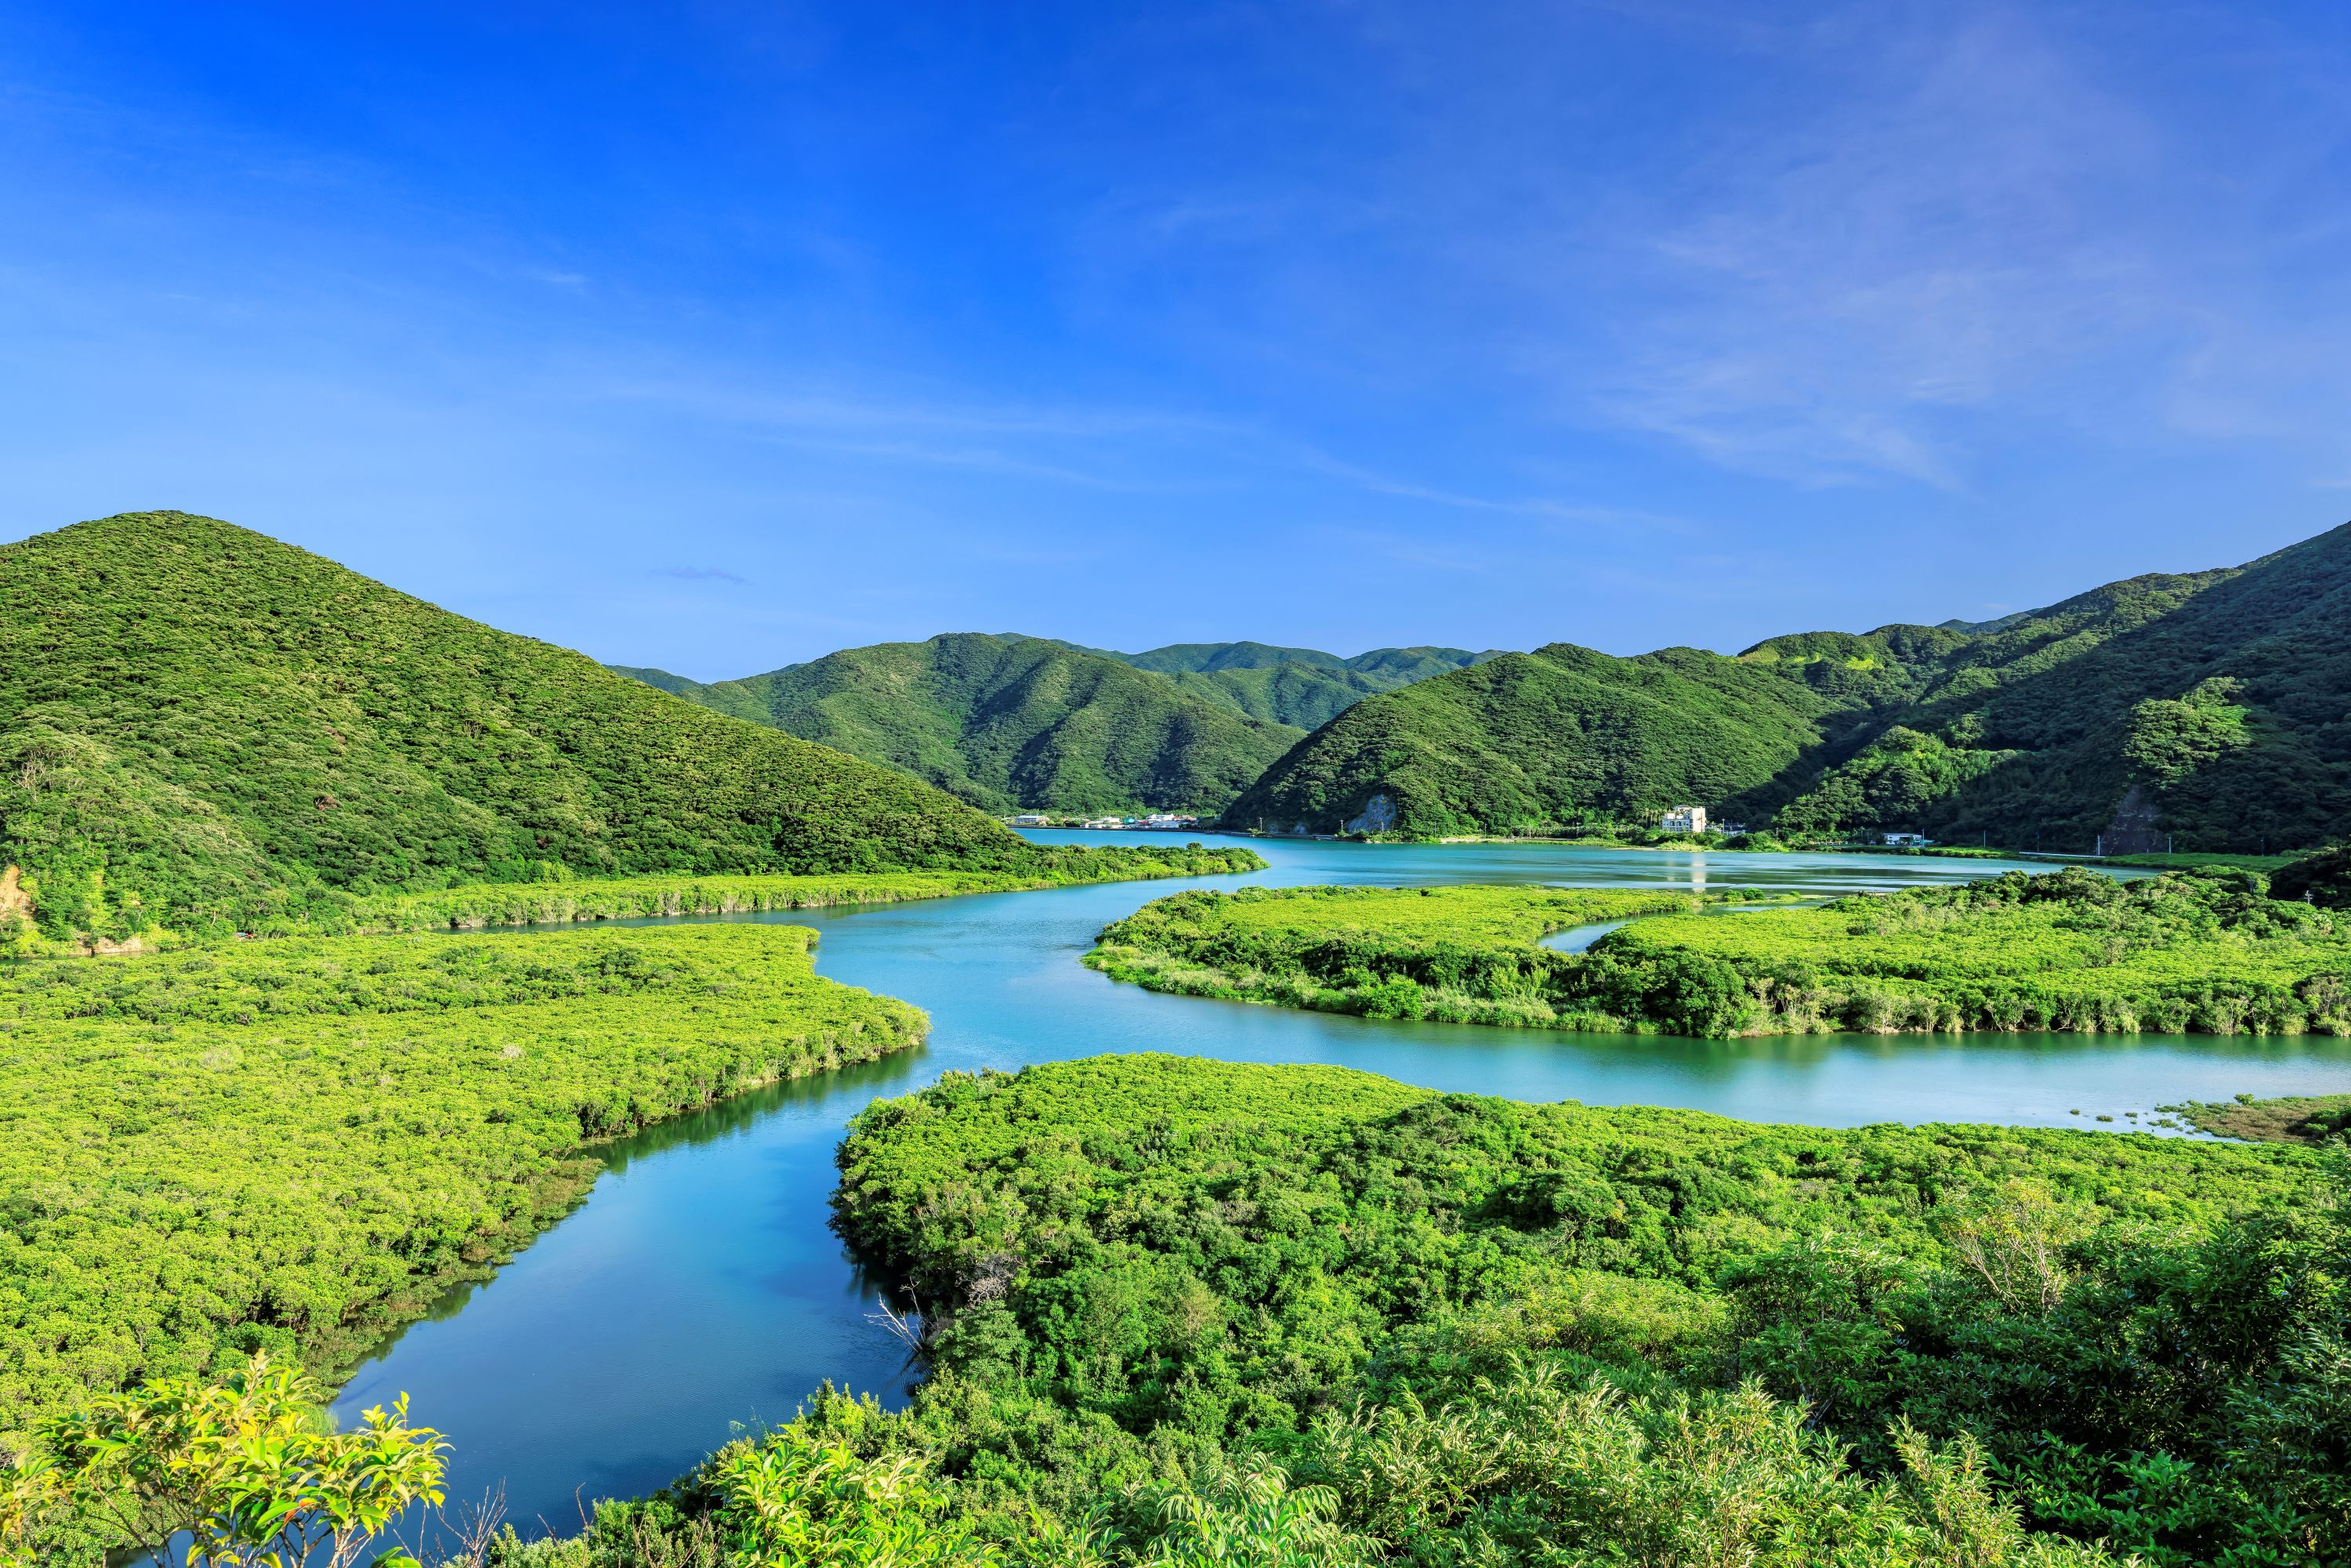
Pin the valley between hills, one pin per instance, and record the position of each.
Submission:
(2203, 712)
(348, 946)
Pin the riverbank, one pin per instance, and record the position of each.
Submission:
(1453, 954)
(637, 898)
(1551, 1302)
(300, 1144)
(720, 1294)
(2068, 951)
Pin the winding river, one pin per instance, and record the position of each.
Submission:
(698, 1287)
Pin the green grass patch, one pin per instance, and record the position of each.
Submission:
(299, 1144)
(2309, 1119)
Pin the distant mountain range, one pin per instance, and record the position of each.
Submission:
(1296, 687)
(1010, 723)
(2211, 705)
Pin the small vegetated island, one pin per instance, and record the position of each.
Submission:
(2070, 950)
(1197, 1298)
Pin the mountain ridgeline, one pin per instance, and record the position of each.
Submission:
(200, 725)
(1010, 723)
(1296, 687)
(2209, 708)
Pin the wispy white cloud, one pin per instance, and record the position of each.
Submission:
(1936, 239)
(1979, 225)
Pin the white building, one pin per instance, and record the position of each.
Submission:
(1907, 841)
(1032, 820)
(1684, 820)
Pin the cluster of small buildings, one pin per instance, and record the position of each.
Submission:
(1157, 822)
(1691, 820)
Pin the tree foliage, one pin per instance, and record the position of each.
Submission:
(296, 1145)
(1514, 1333)
(200, 726)
(2203, 952)
(1015, 723)
(245, 1473)
(2223, 693)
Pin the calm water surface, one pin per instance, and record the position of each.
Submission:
(698, 1286)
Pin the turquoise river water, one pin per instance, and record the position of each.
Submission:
(698, 1286)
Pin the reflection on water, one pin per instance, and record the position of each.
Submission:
(1580, 938)
(699, 1286)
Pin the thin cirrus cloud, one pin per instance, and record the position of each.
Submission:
(1981, 226)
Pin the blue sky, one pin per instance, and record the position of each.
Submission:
(717, 336)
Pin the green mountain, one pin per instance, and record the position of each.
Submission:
(2216, 708)
(2210, 706)
(1298, 686)
(1546, 737)
(676, 686)
(1010, 723)
(198, 723)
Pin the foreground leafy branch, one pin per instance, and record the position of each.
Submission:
(246, 1472)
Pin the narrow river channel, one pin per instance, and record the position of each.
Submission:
(698, 1286)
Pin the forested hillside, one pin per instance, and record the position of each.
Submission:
(298, 1144)
(2232, 711)
(200, 725)
(1547, 737)
(2209, 707)
(1301, 686)
(1011, 723)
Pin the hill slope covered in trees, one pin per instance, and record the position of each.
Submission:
(2209, 705)
(200, 725)
(1301, 686)
(1009, 722)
